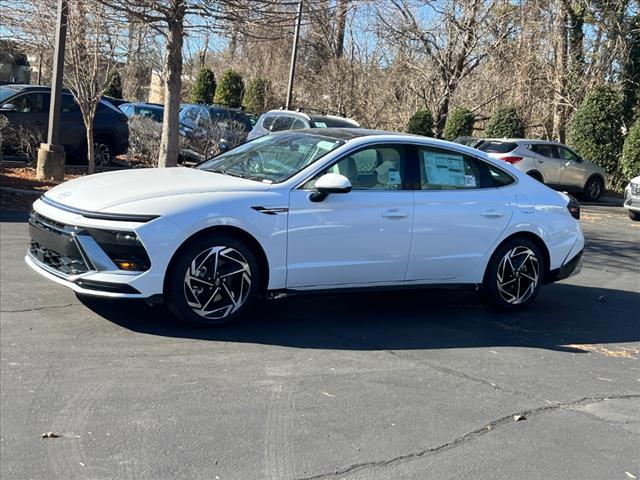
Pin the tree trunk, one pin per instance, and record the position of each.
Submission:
(169, 142)
(559, 84)
(91, 154)
(341, 20)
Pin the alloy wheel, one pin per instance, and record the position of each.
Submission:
(594, 189)
(102, 154)
(518, 275)
(217, 282)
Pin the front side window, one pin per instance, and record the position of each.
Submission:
(282, 123)
(374, 168)
(272, 158)
(566, 154)
(32, 103)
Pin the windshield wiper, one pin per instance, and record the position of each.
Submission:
(225, 172)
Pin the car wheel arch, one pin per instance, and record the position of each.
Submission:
(235, 232)
(536, 174)
(533, 238)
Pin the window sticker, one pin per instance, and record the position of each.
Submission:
(470, 181)
(320, 124)
(394, 177)
(444, 169)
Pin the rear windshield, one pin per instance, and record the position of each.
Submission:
(328, 122)
(497, 147)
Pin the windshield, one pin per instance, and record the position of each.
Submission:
(272, 158)
(6, 92)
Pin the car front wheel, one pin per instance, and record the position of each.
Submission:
(514, 275)
(213, 282)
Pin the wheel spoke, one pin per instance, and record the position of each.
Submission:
(518, 275)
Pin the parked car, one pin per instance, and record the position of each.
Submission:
(154, 111)
(551, 163)
(279, 120)
(207, 129)
(307, 210)
(469, 141)
(27, 109)
(632, 198)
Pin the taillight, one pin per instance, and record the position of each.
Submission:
(511, 160)
(574, 207)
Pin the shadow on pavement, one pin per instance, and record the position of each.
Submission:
(13, 216)
(426, 319)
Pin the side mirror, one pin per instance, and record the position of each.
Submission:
(8, 107)
(330, 183)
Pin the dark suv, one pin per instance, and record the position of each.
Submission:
(27, 109)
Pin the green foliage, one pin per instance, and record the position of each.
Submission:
(630, 75)
(421, 123)
(205, 87)
(505, 123)
(255, 98)
(230, 89)
(595, 130)
(630, 160)
(113, 85)
(459, 123)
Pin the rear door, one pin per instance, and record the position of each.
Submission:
(547, 161)
(459, 214)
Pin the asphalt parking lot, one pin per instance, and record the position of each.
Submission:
(426, 384)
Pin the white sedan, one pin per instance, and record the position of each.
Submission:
(307, 210)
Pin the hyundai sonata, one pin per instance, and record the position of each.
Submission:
(307, 210)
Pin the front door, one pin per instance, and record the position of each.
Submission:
(573, 172)
(360, 237)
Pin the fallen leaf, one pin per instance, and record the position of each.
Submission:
(518, 418)
(328, 394)
(631, 475)
(50, 435)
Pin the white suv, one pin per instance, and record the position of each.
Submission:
(279, 120)
(552, 163)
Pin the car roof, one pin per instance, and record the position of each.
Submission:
(343, 134)
(144, 104)
(524, 140)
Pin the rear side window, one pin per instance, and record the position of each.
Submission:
(267, 123)
(497, 147)
(442, 169)
(545, 150)
(282, 123)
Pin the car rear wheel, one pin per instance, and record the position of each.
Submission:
(103, 153)
(634, 216)
(514, 275)
(593, 189)
(213, 282)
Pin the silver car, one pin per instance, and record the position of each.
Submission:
(552, 163)
(278, 120)
(632, 198)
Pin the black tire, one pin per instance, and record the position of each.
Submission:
(191, 294)
(593, 189)
(505, 296)
(634, 216)
(535, 175)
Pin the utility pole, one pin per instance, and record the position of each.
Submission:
(51, 155)
(292, 70)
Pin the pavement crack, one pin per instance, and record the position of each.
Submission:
(34, 309)
(468, 437)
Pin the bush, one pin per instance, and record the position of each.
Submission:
(505, 123)
(113, 85)
(595, 130)
(205, 87)
(255, 98)
(230, 89)
(630, 160)
(421, 123)
(459, 123)
(144, 141)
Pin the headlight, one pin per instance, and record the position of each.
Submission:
(123, 248)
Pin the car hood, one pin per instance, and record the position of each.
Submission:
(105, 190)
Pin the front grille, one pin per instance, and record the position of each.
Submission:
(61, 263)
(635, 189)
(54, 246)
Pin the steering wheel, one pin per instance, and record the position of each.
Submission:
(255, 164)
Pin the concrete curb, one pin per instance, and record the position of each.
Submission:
(21, 191)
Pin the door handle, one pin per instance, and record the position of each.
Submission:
(540, 161)
(492, 213)
(395, 214)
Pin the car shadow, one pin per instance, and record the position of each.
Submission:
(13, 216)
(563, 315)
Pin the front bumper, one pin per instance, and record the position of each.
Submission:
(65, 251)
(568, 269)
(632, 202)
